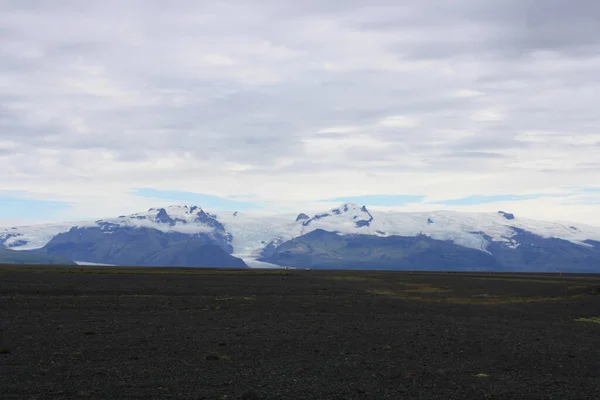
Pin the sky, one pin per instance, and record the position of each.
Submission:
(111, 107)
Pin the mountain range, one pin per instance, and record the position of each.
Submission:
(346, 237)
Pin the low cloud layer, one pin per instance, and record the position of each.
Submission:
(292, 102)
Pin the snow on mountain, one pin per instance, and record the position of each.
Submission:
(182, 219)
(31, 236)
(252, 232)
(249, 232)
(468, 229)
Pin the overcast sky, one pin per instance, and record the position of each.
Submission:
(109, 107)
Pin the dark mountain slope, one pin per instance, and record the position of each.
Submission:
(322, 249)
(140, 246)
(26, 257)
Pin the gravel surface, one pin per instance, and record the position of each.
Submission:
(105, 333)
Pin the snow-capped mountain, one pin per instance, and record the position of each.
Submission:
(191, 220)
(472, 230)
(440, 238)
(31, 236)
(177, 236)
(182, 219)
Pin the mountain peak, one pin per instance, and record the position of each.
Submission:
(345, 207)
(358, 215)
(162, 216)
(302, 217)
(173, 217)
(507, 215)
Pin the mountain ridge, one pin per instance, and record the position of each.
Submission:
(501, 235)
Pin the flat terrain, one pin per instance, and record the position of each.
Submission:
(108, 333)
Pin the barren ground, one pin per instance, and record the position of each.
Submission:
(132, 333)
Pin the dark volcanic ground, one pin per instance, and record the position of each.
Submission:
(104, 333)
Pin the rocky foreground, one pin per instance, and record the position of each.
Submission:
(107, 333)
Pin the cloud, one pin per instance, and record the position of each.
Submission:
(487, 115)
(379, 199)
(209, 202)
(471, 200)
(291, 102)
(474, 154)
(399, 121)
(338, 129)
(560, 138)
(466, 93)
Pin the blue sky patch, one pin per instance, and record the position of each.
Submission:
(477, 199)
(384, 200)
(590, 190)
(12, 206)
(206, 201)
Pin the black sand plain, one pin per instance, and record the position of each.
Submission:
(142, 333)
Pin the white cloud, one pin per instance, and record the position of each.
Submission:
(487, 115)
(339, 129)
(399, 121)
(219, 60)
(559, 138)
(7, 144)
(235, 167)
(297, 101)
(465, 93)
(338, 147)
